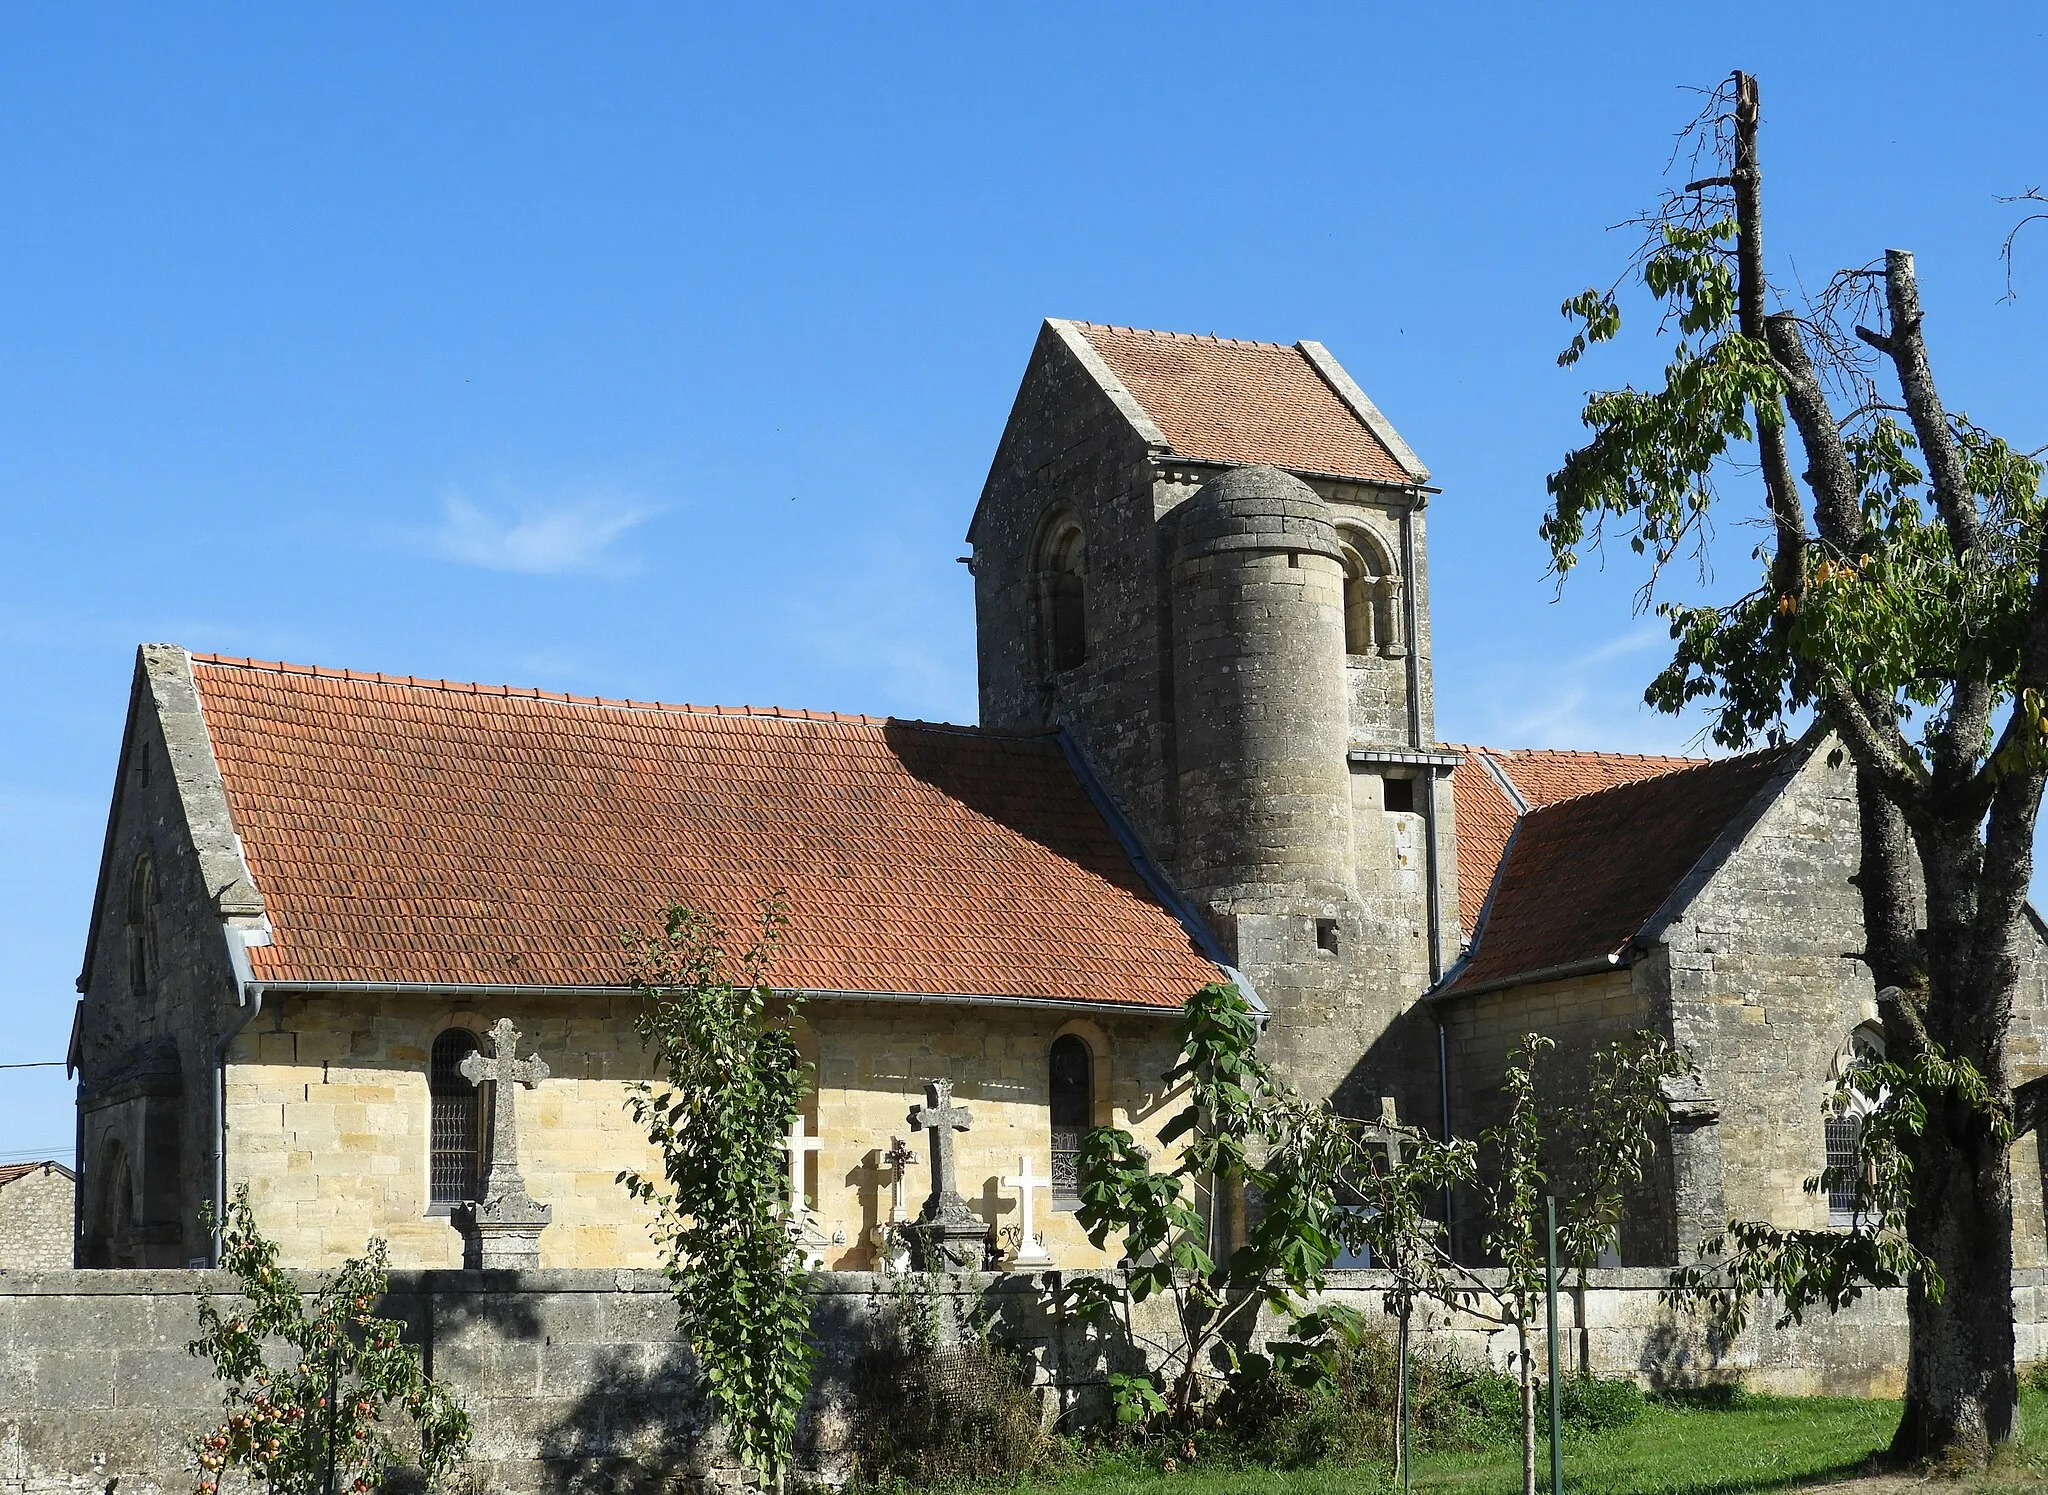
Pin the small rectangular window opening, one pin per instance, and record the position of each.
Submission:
(1326, 936)
(1294, 560)
(1398, 794)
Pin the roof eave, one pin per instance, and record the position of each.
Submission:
(808, 993)
(1614, 960)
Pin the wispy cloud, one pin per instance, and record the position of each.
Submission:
(576, 533)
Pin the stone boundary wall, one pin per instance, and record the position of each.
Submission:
(576, 1381)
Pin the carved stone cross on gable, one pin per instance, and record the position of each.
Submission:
(951, 1237)
(503, 1228)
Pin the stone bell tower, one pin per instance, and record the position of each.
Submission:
(1204, 560)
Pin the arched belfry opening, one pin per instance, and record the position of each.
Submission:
(1373, 618)
(1063, 594)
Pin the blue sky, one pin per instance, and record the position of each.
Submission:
(661, 351)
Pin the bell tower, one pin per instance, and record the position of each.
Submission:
(1203, 560)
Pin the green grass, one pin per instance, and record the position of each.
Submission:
(1765, 1443)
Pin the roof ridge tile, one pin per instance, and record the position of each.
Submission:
(538, 693)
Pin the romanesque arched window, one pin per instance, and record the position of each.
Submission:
(141, 926)
(1843, 1125)
(110, 1231)
(1063, 594)
(456, 1125)
(1372, 595)
(1070, 1076)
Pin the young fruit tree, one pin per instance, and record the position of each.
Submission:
(346, 1402)
(732, 1082)
(1240, 1130)
(1901, 603)
(1600, 1144)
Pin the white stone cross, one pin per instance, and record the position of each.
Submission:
(796, 1144)
(1030, 1250)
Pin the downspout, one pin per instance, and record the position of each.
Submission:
(1431, 856)
(249, 999)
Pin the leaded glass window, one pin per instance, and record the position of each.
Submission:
(457, 1122)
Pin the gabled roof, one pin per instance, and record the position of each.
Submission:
(9, 1172)
(1222, 400)
(1584, 876)
(418, 831)
(1494, 787)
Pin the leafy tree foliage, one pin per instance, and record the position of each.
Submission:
(348, 1394)
(1901, 601)
(1239, 1130)
(1830, 1269)
(1327, 1185)
(1602, 1142)
(732, 1082)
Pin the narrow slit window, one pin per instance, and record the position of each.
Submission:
(1065, 582)
(457, 1121)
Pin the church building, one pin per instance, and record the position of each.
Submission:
(358, 938)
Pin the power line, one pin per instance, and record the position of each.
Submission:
(36, 1064)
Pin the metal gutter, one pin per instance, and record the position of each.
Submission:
(1171, 458)
(1507, 785)
(1614, 960)
(1432, 854)
(249, 998)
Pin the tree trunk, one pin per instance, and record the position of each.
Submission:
(1960, 1386)
(1528, 1409)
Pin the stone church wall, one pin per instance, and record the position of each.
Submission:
(1765, 992)
(575, 1380)
(328, 1116)
(1583, 1014)
(145, 1049)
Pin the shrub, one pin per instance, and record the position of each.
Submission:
(933, 1411)
(346, 1395)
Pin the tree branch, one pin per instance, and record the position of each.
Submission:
(1907, 347)
(1788, 559)
(1879, 749)
(1828, 471)
(1896, 1005)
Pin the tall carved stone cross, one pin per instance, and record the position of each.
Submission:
(503, 1228)
(504, 1073)
(950, 1237)
(941, 1118)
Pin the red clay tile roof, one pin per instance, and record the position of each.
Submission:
(1584, 875)
(1541, 776)
(408, 830)
(1230, 401)
(9, 1172)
